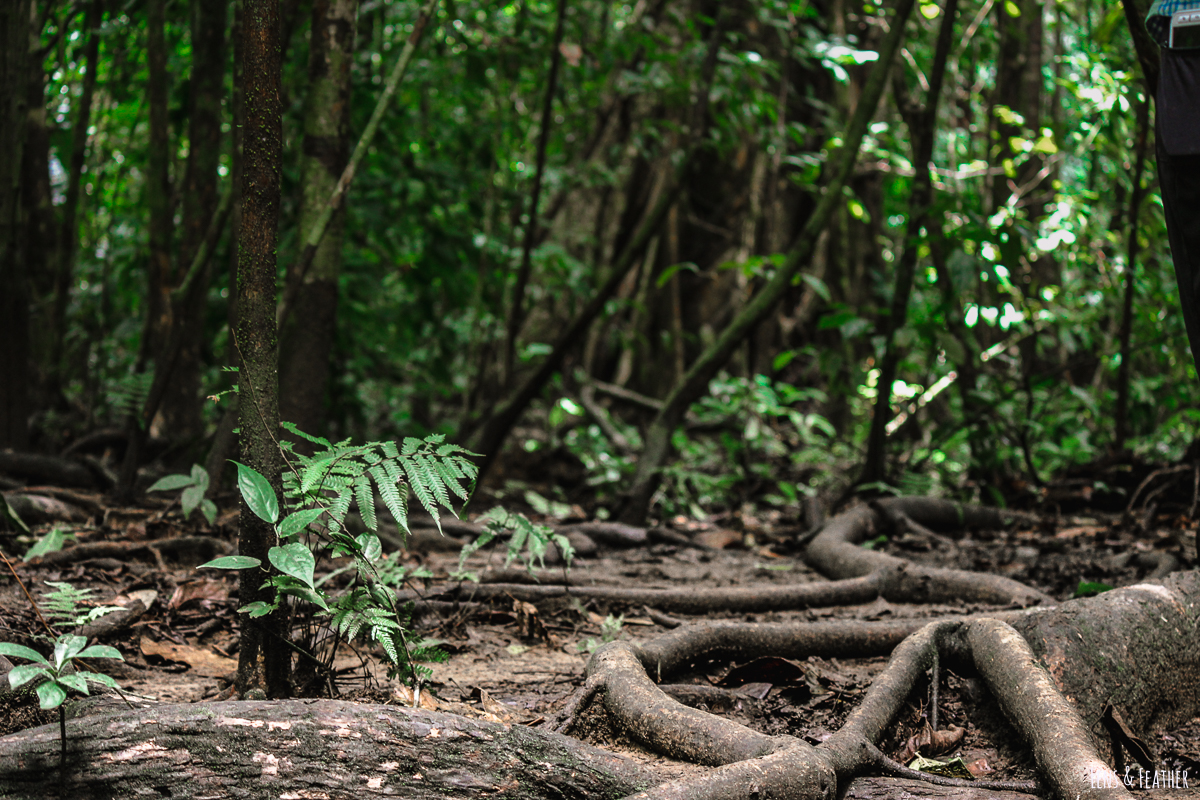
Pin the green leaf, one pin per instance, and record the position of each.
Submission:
(52, 542)
(11, 517)
(258, 494)
(171, 482)
(21, 675)
(209, 509)
(305, 593)
(74, 681)
(200, 477)
(366, 502)
(294, 559)
(51, 695)
(231, 562)
(298, 521)
(67, 647)
(370, 546)
(258, 609)
(19, 651)
(101, 678)
(101, 651)
(191, 498)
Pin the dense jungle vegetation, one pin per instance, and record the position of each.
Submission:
(567, 204)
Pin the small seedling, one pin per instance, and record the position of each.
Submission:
(55, 678)
(194, 487)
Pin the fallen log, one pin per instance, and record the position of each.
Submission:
(304, 748)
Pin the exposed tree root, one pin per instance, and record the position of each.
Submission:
(860, 575)
(835, 553)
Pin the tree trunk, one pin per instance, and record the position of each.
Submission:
(308, 335)
(330, 749)
(68, 241)
(922, 128)
(180, 411)
(263, 657)
(158, 184)
(14, 298)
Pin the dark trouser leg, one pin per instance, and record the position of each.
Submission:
(1179, 179)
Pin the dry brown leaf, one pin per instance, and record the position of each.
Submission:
(201, 661)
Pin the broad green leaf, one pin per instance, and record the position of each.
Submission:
(209, 509)
(51, 695)
(294, 559)
(370, 546)
(101, 678)
(257, 493)
(74, 681)
(191, 498)
(305, 593)
(171, 482)
(19, 676)
(67, 647)
(52, 542)
(200, 477)
(101, 651)
(257, 609)
(294, 523)
(10, 649)
(231, 562)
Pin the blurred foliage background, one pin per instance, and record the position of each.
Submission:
(1041, 270)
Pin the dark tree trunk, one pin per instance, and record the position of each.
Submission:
(69, 239)
(1131, 255)
(14, 297)
(922, 128)
(158, 184)
(181, 405)
(308, 334)
(263, 658)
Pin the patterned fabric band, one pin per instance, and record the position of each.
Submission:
(1158, 22)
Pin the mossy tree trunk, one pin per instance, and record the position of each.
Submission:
(263, 658)
(309, 333)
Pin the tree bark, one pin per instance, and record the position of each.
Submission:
(68, 241)
(331, 749)
(308, 335)
(14, 299)
(158, 183)
(263, 657)
(181, 405)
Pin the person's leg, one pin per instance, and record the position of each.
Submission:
(1179, 181)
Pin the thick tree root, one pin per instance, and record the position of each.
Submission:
(751, 764)
(835, 553)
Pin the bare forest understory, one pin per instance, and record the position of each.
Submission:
(741, 656)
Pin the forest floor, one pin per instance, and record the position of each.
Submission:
(515, 662)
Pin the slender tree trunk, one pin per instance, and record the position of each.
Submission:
(39, 226)
(158, 184)
(181, 405)
(263, 657)
(14, 297)
(308, 335)
(922, 128)
(516, 314)
(695, 382)
(1131, 254)
(68, 242)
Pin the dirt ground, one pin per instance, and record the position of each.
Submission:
(517, 663)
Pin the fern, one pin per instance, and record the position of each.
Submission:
(69, 607)
(338, 474)
(128, 394)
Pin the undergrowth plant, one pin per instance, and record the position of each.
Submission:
(53, 678)
(318, 493)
